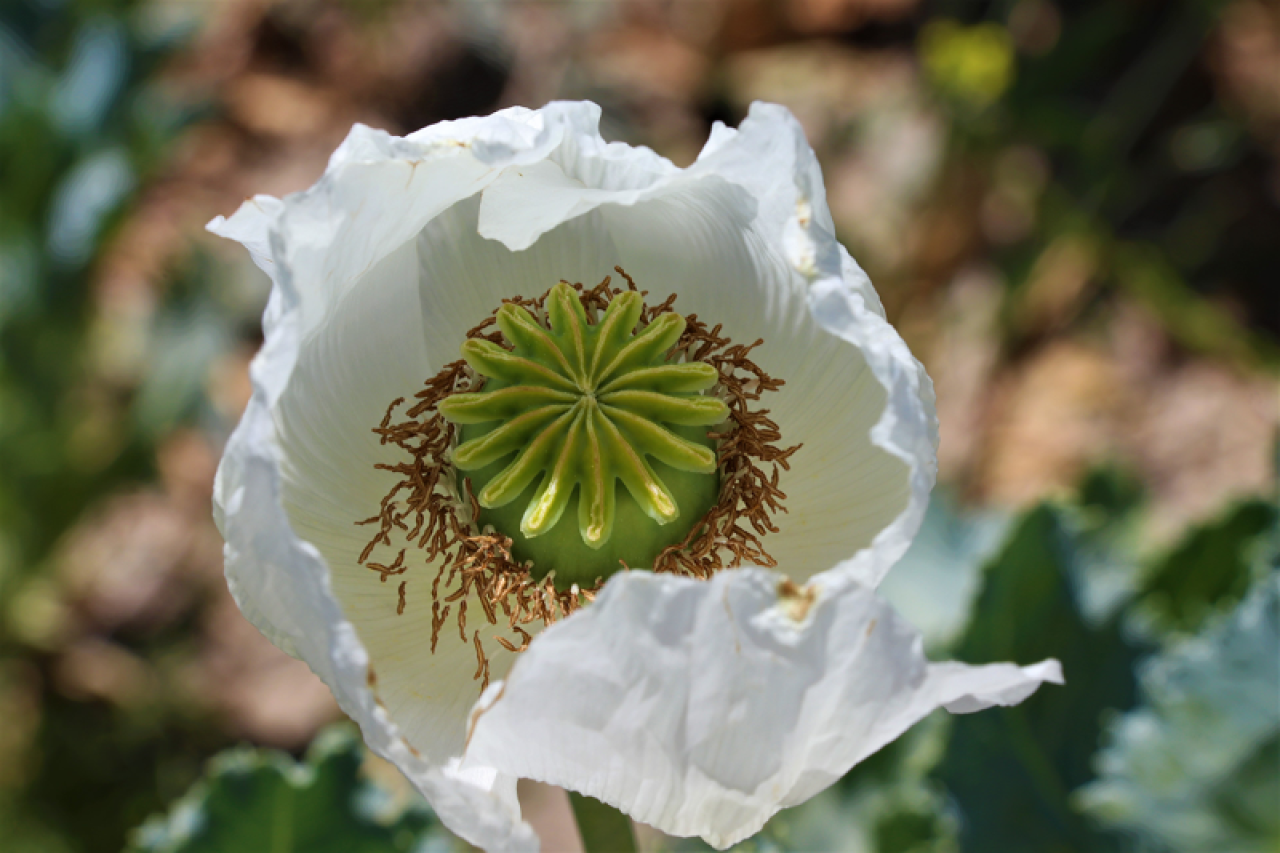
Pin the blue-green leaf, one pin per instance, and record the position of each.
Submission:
(936, 581)
(1197, 766)
(265, 802)
(1011, 770)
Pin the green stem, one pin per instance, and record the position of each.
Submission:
(604, 829)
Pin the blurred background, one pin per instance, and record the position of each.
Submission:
(1071, 209)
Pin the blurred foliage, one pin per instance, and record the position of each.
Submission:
(264, 801)
(973, 64)
(1113, 165)
(1037, 752)
(1014, 771)
(936, 581)
(1214, 565)
(1194, 767)
(81, 126)
(104, 771)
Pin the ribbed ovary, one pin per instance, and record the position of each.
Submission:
(582, 406)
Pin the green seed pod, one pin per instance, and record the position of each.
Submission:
(591, 415)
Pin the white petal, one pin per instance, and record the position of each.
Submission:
(463, 275)
(702, 708)
(394, 331)
(251, 226)
(282, 585)
(744, 237)
(344, 335)
(369, 352)
(963, 689)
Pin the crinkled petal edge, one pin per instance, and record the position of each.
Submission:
(699, 709)
(280, 582)
(794, 217)
(845, 304)
(282, 585)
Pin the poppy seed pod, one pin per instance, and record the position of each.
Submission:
(728, 656)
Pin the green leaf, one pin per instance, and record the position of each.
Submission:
(915, 820)
(24, 832)
(906, 816)
(1011, 770)
(1207, 572)
(265, 802)
(1197, 765)
(1107, 528)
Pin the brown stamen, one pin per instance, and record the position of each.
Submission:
(482, 662)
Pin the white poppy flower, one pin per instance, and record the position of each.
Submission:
(701, 707)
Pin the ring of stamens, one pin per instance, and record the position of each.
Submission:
(435, 511)
(577, 405)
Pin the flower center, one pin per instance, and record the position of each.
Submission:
(593, 413)
(597, 399)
